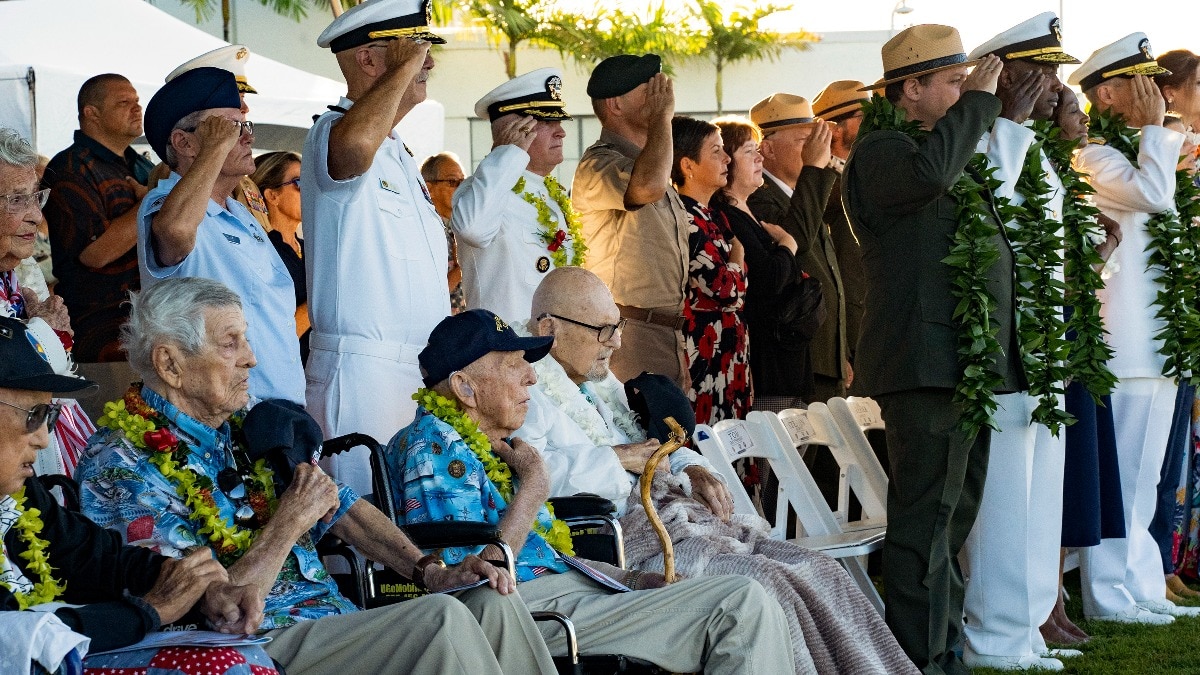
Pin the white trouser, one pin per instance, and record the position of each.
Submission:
(363, 386)
(1010, 560)
(1120, 572)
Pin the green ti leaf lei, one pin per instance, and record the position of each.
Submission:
(1041, 329)
(148, 430)
(29, 525)
(1174, 260)
(496, 470)
(972, 253)
(1089, 353)
(549, 231)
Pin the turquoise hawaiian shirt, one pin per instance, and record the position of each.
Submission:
(444, 480)
(123, 491)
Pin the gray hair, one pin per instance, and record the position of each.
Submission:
(171, 311)
(16, 151)
(189, 121)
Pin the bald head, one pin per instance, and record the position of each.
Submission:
(575, 306)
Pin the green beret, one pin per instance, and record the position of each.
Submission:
(621, 74)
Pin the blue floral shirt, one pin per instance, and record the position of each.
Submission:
(123, 491)
(442, 479)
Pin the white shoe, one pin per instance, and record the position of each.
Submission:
(1136, 614)
(1027, 662)
(1061, 653)
(1168, 608)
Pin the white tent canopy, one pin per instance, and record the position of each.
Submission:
(52, 46)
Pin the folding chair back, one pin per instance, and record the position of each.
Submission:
(861, 472)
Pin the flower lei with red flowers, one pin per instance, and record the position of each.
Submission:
(549, 231)
(147, 429)
(29, 525)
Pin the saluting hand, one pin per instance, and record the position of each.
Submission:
(514, 129)
(218, 134)
(985, 76)
(406, 56)
(1017, 101)
(660, 97)
(1148, 108)
(817, 149)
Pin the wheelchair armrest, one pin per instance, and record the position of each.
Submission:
(343, 443)
(582, 505)
(451, 534)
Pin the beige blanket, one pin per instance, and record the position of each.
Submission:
(834, 628)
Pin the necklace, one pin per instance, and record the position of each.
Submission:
(1173, 260)
(548, 228)
(973, 251)
(148, 429)
(1088, 355)
(29, 525)
(570, 399)
(558, 535)
(1037, 247)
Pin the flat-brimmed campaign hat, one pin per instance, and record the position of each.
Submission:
(839, 98)
(920, 50)
(198, 89)
(537, 93)
(1038, 39)
(230, 57)
(464, 338)
(379, 20)
(782, 111)
(1129, 56)
(32, 359)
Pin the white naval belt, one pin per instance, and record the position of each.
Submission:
(382, 349)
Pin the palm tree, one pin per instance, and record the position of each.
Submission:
(509, 23)
(595, 37)
(293, 9)
(729, 38)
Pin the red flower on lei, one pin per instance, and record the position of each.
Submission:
(160, 440)
(557, 242)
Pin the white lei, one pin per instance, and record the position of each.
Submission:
(565, 394)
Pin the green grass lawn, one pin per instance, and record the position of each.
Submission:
(1125, 649)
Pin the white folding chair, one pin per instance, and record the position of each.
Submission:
(861, 472)
(763, 435)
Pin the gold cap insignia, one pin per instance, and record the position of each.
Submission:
(1056, 28)
(554, 87)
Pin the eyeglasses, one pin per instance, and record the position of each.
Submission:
(603, 333)
(295, 181)
(42, 413)
(453, 182)
(247, 127)
(23, 203)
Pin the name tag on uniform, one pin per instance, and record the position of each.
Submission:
(389, 186)
(232, 239)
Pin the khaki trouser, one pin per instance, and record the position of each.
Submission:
(721, 624)
(649, 347)
(432, 635)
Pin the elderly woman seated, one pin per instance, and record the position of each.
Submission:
(169, 469)
(51, 554)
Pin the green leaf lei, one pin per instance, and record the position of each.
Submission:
(549, 231)
(29, 525)
(148, 430)
(1173, 259)
(496, 470)
(1088, 355)
(972, 253)
(1041, 329)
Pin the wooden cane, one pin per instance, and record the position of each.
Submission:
(677, 440)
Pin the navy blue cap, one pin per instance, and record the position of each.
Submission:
(618, 75)
(193, 91)
(25, 363)
(462, 339)
(655, 398)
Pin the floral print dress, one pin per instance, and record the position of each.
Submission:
(714, 333)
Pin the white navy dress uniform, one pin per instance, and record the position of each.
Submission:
(376, 263)
(1012, 553)
(500, 241)
(1121, 574)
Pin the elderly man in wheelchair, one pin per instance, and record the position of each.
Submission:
(458, 461)
(169, 470)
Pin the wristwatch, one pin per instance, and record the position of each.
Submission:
(418, 573)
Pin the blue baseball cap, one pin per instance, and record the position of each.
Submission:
(464, 338)
(195, 90)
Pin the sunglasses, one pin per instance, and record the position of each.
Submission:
(295, 181)
(42, 413)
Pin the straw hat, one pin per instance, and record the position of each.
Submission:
(839, 98)
(921, 50)
(782, 111)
